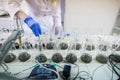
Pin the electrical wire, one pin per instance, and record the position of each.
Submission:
(110, 68)
(19, 25)
(23, 70)
(71, 73)
(59, 66)
(5, 67)
(77, 73)
(47, 68)
(96, 70)
(112, 75)
(86, 76)
(33, 67)
(113, 66)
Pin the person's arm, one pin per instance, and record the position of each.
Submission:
(14, 10)
(13, 7)
(57, 18)
(21, 14)
(32, 24)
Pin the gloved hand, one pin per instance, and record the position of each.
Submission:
(33, 25)
(58, 30)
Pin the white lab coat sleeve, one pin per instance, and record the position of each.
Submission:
(57, 16)
(13, 7)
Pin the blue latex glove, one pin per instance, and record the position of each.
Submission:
(33, 25)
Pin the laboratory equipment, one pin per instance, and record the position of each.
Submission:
(41, 58)
(63, 45)
(102, 58)
(50, 45)
(4, 51)
(10, 57)
(71, 58)
(86, 58)
(57, 57)
(7, 44)
(44, 72)
(24, 56)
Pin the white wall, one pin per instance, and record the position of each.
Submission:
(93, 16)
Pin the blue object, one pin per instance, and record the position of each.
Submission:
(67, 34)
(35, 65)
(53, 63)
(33, 25)
(41, 73)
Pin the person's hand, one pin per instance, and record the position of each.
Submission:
(58, 30)
(33, 25)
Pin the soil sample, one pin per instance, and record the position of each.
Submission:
(57, 57)
(50, 45)
(86, 58)
(24, 56)
(41, 58)
(76, 46)
(102, 58)
(10, 57)
(90, 47)
(63, 46)
(71, 58)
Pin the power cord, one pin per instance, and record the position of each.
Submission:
(84, 75)
(80, 75)
(77, 73)
(114, 67)
(5, 67)
(24, 70)
(96, 69)
(47, 68)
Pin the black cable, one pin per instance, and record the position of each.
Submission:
(112, 75)
(96, 70)
(82, 78)
(111, 71)
(113, 61)
(59, 66)
(72, 64)
(5, 67)
(88, 74)
(114, 66)
(23, 70)
(84, 72)
(77, 73)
